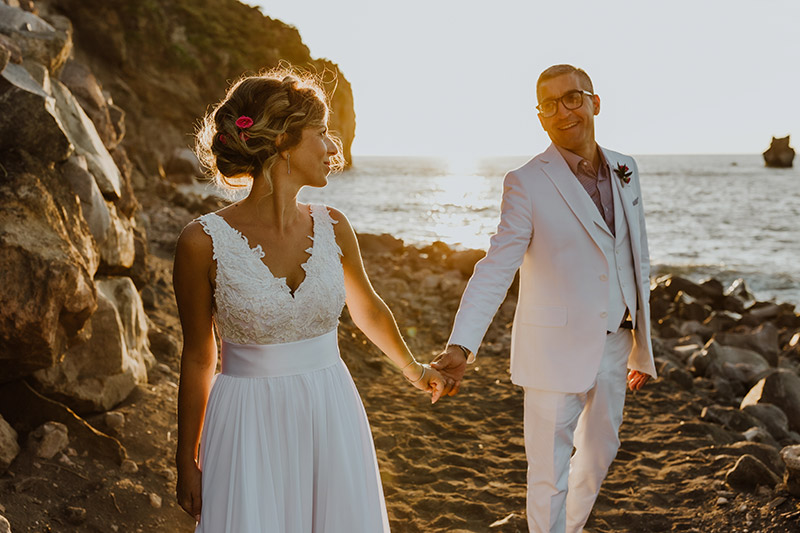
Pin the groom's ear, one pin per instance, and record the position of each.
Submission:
(596, 102)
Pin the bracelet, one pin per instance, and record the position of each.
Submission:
(409, 364)
(420, 376)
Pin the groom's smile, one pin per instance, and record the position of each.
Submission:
(571, 126)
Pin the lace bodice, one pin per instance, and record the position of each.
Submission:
(254, 307)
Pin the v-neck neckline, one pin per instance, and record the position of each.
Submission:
(259, 250)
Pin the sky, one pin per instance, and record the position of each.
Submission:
(457, 78)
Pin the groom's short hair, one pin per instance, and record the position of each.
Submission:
(560, 70)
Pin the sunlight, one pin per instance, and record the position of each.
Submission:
(461, 164)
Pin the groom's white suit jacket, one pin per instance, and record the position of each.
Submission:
(550, 226)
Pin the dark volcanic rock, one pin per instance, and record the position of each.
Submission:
(779, 154)
(782, 388)
(749, 472)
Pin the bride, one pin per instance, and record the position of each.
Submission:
(279, 440)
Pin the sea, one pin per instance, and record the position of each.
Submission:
(720, 216)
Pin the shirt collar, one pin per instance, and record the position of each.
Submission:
(573, 160)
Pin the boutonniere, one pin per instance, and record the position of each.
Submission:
(623, 173)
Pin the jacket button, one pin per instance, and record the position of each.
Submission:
(603, 314)
(603, 277)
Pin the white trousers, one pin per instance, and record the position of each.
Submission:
(562, 486)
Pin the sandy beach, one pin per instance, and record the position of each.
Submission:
(457, 466)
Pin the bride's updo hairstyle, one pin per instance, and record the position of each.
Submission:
(238, 139)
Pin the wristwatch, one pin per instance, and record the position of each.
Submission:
(468, 354)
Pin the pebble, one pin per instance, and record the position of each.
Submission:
(742, 508)
(75, 515)
(155, 500)
(115, 420)
(164, 368)
(169, 474)
(66, 461)
(129, 467)
(49, 439)
(5, 527)
(722, 500)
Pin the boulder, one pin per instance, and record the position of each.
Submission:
(782, 389)
(675, 284)
(722, 320)
(763, 340)
(9, 448)
(729, 417)
(771, 417)
(183, 166)
(749, 472)
(82, 134)
(733, 363)
(763, 452)
(86, 89)
(5, 527)
(739, 290)
(48, 259)
(689, 308)
(29, 117)
(118, 247)
(37, 39)
(98, 374)
(464, 261)
(384, 243)
(760, 435)
(48, 439)
(791, 479)
(93, 205)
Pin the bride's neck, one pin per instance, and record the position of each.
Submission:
(276, 206)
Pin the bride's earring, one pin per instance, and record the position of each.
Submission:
(288, 165)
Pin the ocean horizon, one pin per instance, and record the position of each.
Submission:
(724, 216)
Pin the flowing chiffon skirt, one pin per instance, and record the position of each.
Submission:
(286, 445)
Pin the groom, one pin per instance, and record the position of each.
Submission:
(572, 221)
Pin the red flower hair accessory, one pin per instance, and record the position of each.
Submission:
(222, 138)
(244, 122)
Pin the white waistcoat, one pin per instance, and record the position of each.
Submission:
(622, 278)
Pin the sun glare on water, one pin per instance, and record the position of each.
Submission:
(457, 194)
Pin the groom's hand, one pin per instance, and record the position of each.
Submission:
(636, 380)
(451, 363)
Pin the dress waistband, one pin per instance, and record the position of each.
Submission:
(273, 360)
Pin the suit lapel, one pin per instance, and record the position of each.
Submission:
(573, 192)
(625, 193)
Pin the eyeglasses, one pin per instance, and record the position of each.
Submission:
(571, 100)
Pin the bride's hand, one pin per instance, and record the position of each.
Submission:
(189, 490)
(426, 378)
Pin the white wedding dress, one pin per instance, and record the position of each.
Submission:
(286, 446)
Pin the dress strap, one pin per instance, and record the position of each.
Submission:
(324, 235)
(216, 228)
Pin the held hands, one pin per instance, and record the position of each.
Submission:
(637, 380)
(452, 363)
(189, 489)
(425, 378)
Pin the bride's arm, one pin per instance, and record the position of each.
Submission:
(193, 293)
(371, 314)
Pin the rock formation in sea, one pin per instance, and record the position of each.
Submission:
(779, 154)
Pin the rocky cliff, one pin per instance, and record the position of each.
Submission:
(98, 100)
